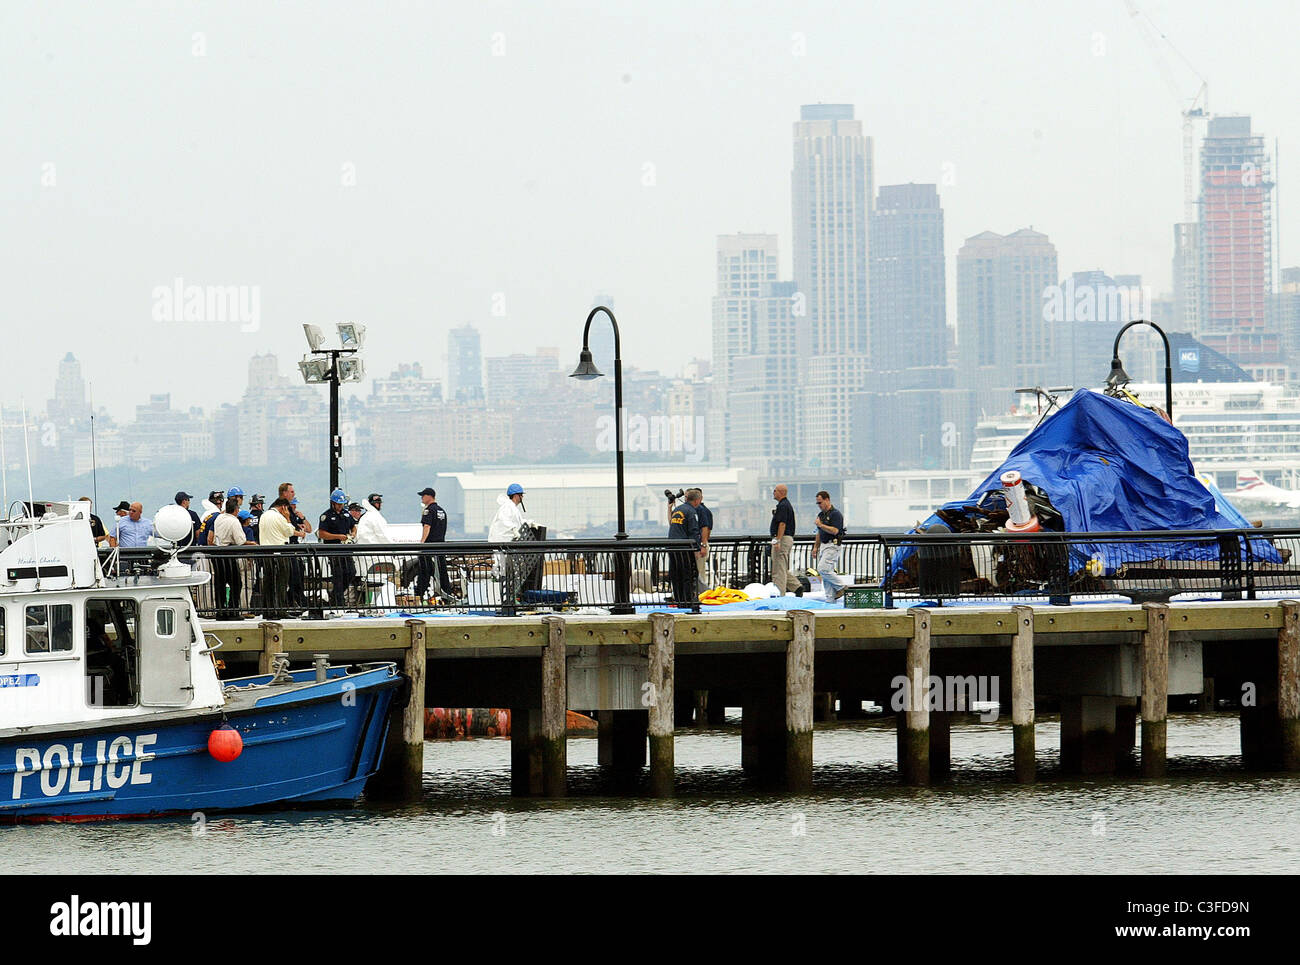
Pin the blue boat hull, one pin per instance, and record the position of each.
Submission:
(312, 743)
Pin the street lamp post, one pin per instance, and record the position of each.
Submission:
(1119, 378)
(334, 365)
(586, 371)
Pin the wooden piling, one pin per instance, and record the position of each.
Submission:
(1088, 738)
(1022, 695)
(554, 746)
(700, 717)
(401, 773)
(914, 746)
(272, 643)
(1288, 684)
(1155, 688)
(525, 751)
(1126, 712)
(940, 745)
(661, 700)
(763, 735)
(799, 701)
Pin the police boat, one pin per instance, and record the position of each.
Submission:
(110, 701)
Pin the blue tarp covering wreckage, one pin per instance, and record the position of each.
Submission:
(1110, 466)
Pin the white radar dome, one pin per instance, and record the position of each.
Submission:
(173, 524)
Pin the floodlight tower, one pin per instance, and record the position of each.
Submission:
(334, 365)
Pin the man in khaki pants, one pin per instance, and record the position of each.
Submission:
(782, 531)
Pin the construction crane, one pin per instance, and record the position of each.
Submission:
(1197, 109)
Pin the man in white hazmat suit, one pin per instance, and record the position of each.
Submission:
(505, 527)
(372, 527)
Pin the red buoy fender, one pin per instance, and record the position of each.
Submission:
(225, 744)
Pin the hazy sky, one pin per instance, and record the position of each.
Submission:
(414, 166)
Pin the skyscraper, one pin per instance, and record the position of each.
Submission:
(464, 364)
(1236, 234)
(1003, 340)
(601, 340)
(909, 315)
(746, 266)
(832, 190)
(762, 397)
(1187, 277)
(69, 402)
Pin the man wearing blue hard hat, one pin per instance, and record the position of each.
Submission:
(336, 525)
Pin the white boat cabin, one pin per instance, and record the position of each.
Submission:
(79, 645)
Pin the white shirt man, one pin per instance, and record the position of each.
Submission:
(275, 528)
(227, 530)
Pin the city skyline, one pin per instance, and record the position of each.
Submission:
(339, 236)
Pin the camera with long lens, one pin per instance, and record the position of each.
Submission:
(668, 493)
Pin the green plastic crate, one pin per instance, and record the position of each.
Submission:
(864, 597)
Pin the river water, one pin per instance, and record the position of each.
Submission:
(1207, 816)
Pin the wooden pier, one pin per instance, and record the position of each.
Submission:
(644, 676)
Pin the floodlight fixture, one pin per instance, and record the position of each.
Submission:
(351, 335)
(351, 369)
(314, 371)
(315, 337)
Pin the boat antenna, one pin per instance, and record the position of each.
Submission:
(94, 467)
(31, 497)
(4, 478)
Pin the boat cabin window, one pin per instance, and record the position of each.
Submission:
(112, 666)
(165, 622)
(49, 628)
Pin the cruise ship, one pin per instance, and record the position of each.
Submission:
(1236, 431)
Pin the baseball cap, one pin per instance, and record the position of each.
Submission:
(123, 507)
(427, 491)
(352, 506)
(245, 514)
(293, 502)
(182, 495)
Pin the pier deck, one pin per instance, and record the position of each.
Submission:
(1104, 663)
